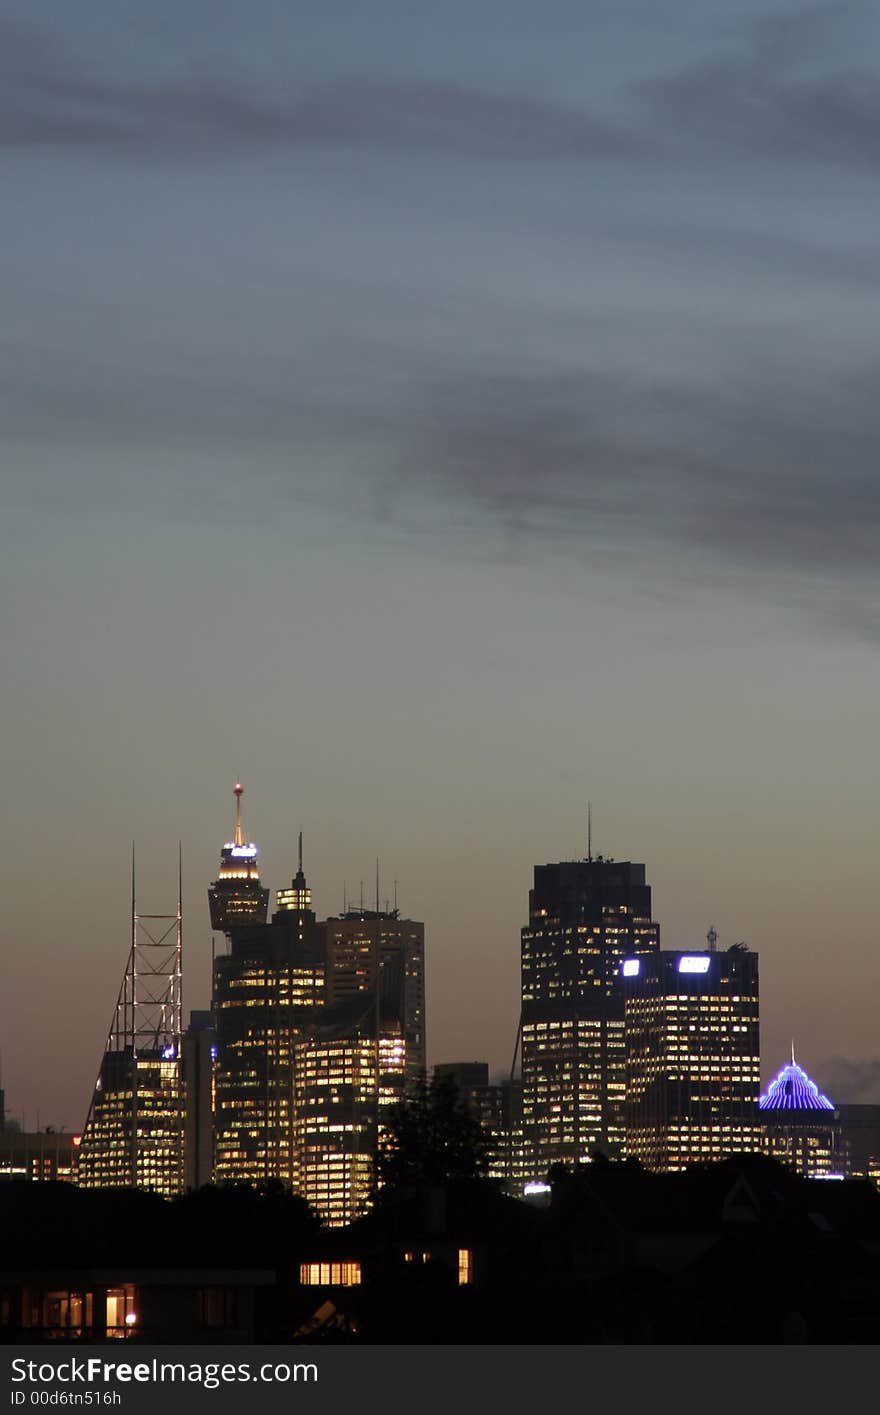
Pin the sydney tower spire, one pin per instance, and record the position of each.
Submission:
(236, 896)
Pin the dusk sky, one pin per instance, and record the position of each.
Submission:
(440, 417)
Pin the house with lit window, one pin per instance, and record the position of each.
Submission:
(123, 1265)
(430, 1258)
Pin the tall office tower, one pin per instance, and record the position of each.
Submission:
(133, 1135)
(236, 896)
(350, 1066)
(362, 942)
(199, 1051)
(585, 917)
(799, 1126)
(693, 1066)
(266, 991)
(359, 1057)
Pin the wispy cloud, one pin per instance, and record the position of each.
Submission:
(852, 1082)
(763, 459)
(776, 90)
(759, 467)
(48, 98)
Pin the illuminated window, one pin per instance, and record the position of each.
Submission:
(346, 1274)
(121, 1315)
(465, 1266)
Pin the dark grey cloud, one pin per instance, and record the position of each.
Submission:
(48, 98)
(769, 476)
(851, 1082)
(779, 90)
(761, 469)
(800, 259)
(776, 89)
(763, 462)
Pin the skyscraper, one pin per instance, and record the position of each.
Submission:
(236, 896)
(363, 944)
(350, 1065)
(134, 1132)
(266, 990)
(199, 1051)
(692, 1056)
(585, 917)
(799, 1126)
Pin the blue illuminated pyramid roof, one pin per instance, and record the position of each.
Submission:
(792, 1089)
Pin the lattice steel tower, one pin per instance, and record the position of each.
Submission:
(133, 1135)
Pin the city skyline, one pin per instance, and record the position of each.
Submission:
(440, 420)
(473, 1040)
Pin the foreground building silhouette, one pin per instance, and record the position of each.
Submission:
(738, 1252)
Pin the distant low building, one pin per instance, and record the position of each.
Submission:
(498, 1108)
(860, 1125)
(42, 1155)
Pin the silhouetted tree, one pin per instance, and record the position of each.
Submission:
(432, 1137)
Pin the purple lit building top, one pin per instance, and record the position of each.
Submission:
(792, 1089)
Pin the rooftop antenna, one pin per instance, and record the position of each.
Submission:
(377, 884)
(344, 898)
(793, 1062)
(300, 857)
(589, 832)
(237, 793)
(712, 938)
(395, 896)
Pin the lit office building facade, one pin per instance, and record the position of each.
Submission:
(134, 1132)
(801, 1127)
(344, 1080)
(266, 991)
(692, 1056)
(41, 1156)
(585, 917)
(358, 1056)
(364, 945)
